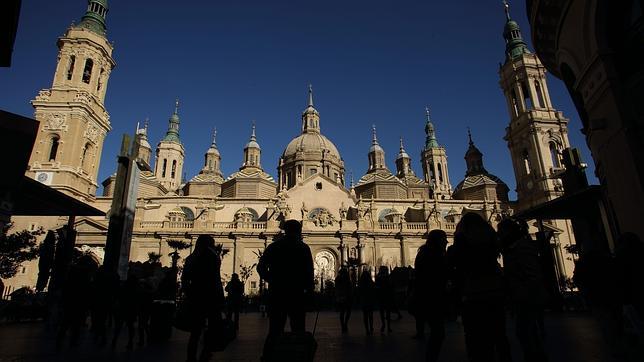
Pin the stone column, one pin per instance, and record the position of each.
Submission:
(403, 252)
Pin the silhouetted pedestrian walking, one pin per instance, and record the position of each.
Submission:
(76, 299)
(476, 252)
(385, 296)
(127, 309)
(287, 266)
(629, 257)
(527, 292)
(105, 287)
(430, 291)
(204, 294)
(344, 297)
(235, 290)
(367, 298)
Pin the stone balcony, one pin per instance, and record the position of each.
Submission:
(271, 227)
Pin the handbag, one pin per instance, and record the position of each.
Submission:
(219, 336)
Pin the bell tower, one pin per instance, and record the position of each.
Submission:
(72, 115)
(434, 160)
(537, 132)
(170, 155)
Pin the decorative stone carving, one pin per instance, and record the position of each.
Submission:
(321, 217)
(304, 210)
(281, 207)
(56, 122)
(43, 95)
(92, 132)
(82, 97)
(343, 211)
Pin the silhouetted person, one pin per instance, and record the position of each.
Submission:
(385, 296)
(367, 298)
(344, 297)
(597, 278)
(430, 290)
(105, 287)
(76, 299)
(204, 294)
(287, 266)
(629, 257)
(476, 252)
(527, 292)
(128, 306)
(235, 290)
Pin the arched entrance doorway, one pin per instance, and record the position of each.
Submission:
(324, 267)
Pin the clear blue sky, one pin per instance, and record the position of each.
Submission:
(230, 62)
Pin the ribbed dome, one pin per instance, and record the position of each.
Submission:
(310, 142)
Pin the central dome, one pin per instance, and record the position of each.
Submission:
(311, 143)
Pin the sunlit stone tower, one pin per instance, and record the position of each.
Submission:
(72, 115)
(434, 161)
(537, 132)
(170, 155)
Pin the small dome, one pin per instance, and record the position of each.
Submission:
(177, 211)
(376, 147)
(212, 151)
(311, 142)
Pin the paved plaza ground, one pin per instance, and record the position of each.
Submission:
(571, 338)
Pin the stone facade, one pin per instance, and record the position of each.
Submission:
(381, 220)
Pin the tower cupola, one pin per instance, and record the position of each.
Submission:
(514, 44)
(94, 18)
(252, 151)
(430, 132)
(310, 116)
(172, 134)
(376, 153)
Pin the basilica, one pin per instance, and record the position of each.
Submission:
(381, 219)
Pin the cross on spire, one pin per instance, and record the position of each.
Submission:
(176, 106)
(507, 9)
(310, 95)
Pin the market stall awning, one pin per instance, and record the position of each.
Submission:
(567, 206)
(36, 199)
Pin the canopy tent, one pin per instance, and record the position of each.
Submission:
(36, 199)
(568, 206)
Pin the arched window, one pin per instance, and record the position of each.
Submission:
(85, 162)
(554, 154)
(174, 168)
(53, 150)
(526, 96)
(87, 71)
(210, 165)
(165, 166)
(440, 172)
(515, 106)
(70, 67)
(526, 162)
(540, 97)
(100, 80)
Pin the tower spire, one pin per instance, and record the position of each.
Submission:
(469, 136)
(310, 95)
(172, 134)
(252, 135)
(374, 137)
(514, 44)
(430, 132)
(94, 18)
(214, 137)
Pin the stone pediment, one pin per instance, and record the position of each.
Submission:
(87, 225)
(318, 191)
